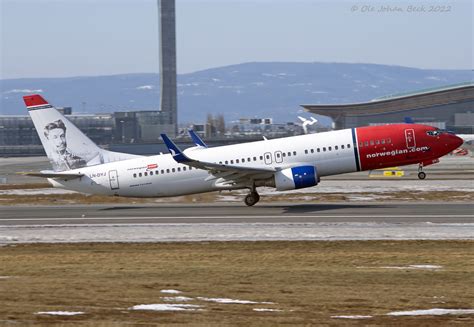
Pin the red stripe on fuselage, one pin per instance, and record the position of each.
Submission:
(397, 145)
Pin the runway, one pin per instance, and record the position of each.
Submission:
(238, 213)
(235, 222)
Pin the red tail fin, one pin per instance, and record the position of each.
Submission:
(34, 100)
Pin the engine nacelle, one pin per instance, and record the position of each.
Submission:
(296, 177)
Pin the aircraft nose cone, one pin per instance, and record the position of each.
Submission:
(456, 141)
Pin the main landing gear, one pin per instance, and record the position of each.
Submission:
(421, 173)
(252, 198)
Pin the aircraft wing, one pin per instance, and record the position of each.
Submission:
(230, 174)
(64, 176)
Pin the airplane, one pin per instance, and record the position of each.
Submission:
(285, 164)
(307, 122)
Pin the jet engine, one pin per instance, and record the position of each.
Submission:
(296, 177)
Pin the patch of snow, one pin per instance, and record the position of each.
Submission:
(230, 301)
(5, 277)
(36, 191)
(60, 313)
(351, 317)
(432, 312)
(425, 266)
(215, 79)
(429, 267)
(145, 87)
(171, 291)
(24, 91)
(435, 78)
(267, 310)
(177, 299)
(166, 307)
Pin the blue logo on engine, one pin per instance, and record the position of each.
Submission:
(304, 176)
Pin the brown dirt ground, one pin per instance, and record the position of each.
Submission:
(309, 281)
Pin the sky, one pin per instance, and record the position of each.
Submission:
(65, 38)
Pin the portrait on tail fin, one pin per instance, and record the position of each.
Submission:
(62, 157)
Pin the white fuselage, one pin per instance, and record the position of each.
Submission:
(161, 175)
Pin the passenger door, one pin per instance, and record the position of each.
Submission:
(113, 179)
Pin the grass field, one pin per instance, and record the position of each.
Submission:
(310, 282)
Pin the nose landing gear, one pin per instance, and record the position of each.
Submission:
(421, 173)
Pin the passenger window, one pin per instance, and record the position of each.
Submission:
(248, 159)
(267, 156)
(348, 146)
(179, 169)
(151, 173)
(389, 141)
(319, 150)
(366, 143)
(243, 160)
(289, 154)
(232, 162)
(278, 154)
(361, 144)
(294, 153)
(324, 149)
(140, 175)
(336, 147)
(156, 172)
(312, 150)
(134, 175)
(342, 146)
(173, 170)
(184, 168)
(226, 162)
(305, 151)
(237, 161)
(329, 149)
(220, 162)
(261, 157)
(284, 154)
(146, 174)
(162, 171)
(377, 142)
(371, 142)
(167, 171)
(383, 141)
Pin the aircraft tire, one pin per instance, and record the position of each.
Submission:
(421, 175)
(251, 199)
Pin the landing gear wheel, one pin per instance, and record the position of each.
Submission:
(421, 175)
(251, 199)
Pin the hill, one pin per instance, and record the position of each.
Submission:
(244, 90)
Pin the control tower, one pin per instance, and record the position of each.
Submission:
(167, 44)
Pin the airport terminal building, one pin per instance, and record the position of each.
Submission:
(450, 107)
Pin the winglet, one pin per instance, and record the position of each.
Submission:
(196, 139)
(176, 152)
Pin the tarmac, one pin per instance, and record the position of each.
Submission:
(235, 222)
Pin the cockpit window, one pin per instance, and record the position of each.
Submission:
(433, 133)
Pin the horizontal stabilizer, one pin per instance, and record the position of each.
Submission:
(64, 176)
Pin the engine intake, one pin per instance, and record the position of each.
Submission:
(296, 177)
